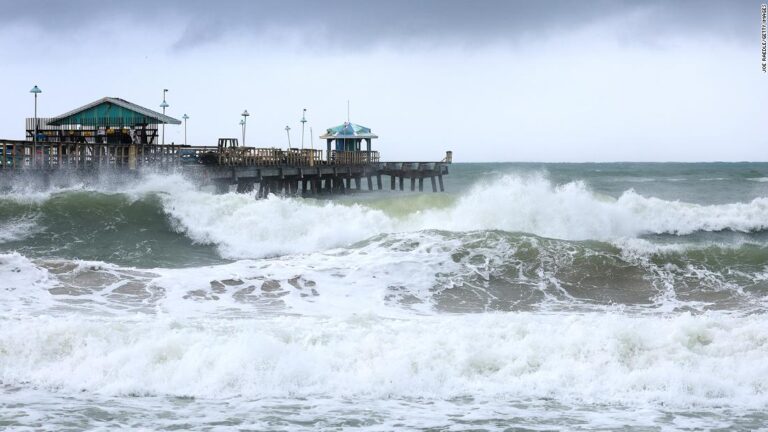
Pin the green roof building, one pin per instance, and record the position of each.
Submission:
(108, 119)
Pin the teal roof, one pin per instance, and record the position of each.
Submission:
(348, 130)
(115, 112)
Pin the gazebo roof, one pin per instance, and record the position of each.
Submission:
(348, 131)
(110, 111)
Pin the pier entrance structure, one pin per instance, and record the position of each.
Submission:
(109, 120)
(344, 144)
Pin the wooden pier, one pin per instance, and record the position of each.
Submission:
(271, 170)
(113, 135)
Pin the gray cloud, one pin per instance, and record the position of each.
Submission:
(364, 24)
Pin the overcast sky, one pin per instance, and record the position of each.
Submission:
(492, 80)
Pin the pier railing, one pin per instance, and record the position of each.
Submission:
(354, 157)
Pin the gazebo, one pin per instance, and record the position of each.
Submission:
(348, 137)
(107, 120)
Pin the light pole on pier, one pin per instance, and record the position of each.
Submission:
(164, 105)
(288, 132)
(244, 122)
(185, 117)
(36, 90)
(303, 121)
(312, 146)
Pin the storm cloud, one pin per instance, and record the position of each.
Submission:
(398, 23)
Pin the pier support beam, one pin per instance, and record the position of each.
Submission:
(392, 179)
(440, 180)
(378, 181)
(313, 185)
(357, 182)
(421, 184)
(413, 184)
(402, 179)
(370, 183)
(434, 184)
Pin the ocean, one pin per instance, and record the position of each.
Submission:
(616, 296)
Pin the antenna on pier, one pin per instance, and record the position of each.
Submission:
(347, 110)
(288, 132)
(303, 120)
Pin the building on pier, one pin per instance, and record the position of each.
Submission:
(108, 120)
(344, 144)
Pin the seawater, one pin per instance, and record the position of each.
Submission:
(527, 297)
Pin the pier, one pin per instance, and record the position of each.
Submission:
(116, 136)
(292, 171)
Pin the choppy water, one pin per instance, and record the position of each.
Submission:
(528, 297)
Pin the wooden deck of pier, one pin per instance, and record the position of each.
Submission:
(291, 171)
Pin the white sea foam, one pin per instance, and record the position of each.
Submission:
(680, 361)
(22, 284)
(18, 229)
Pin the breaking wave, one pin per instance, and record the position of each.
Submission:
(682, 361)
(243, 227)
(426, 272)
(246, 228)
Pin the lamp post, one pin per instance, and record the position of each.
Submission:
(303, 121)
(35, 90)
(164, 105)
(312, 146)
(242, 129)
(185, 117)
(288, 132)
(245, 122)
